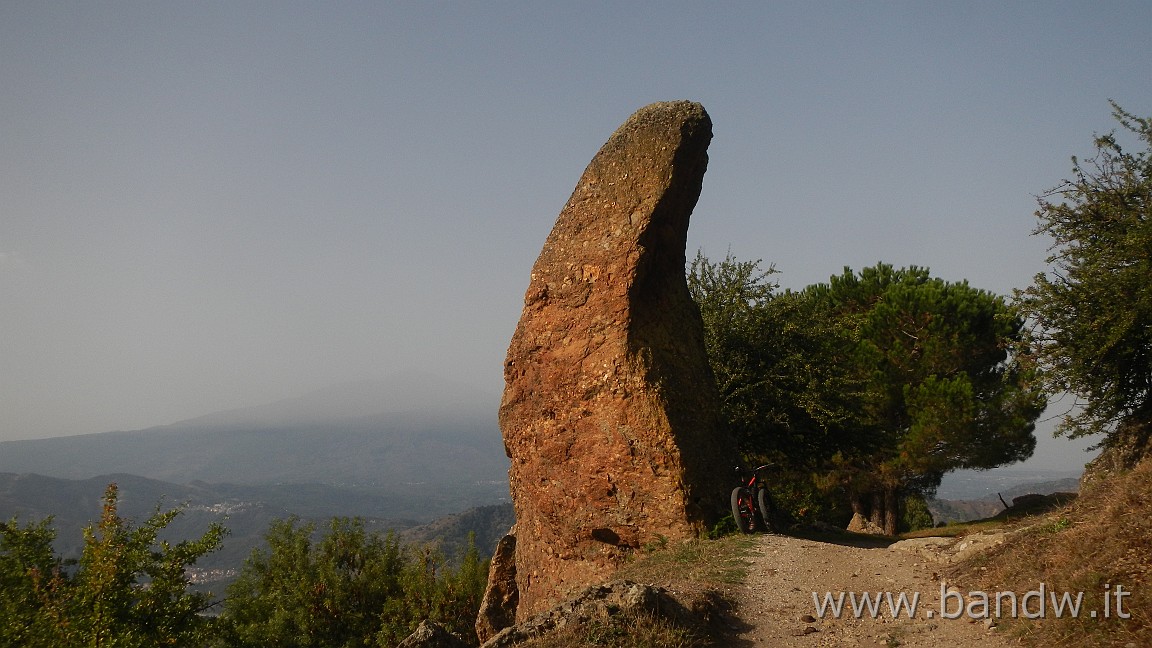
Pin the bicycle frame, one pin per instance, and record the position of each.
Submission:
(751, 505)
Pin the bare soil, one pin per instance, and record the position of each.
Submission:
(776, 606)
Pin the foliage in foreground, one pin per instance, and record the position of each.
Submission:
(128, 589)
(349, 588)
(1093, 308)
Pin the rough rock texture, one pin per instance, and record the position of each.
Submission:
(498, 608)
(861, 524)
(429, 634)
(610, 412)
(615, 598)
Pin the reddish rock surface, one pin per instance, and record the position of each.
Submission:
(610, 412)
(498, 608)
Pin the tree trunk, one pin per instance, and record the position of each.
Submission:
(891, 510)
(858, 506)
(876, 515)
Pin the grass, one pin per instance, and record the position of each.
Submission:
(699, 573)
(1101, 540)
(719, 562)
(623, 631)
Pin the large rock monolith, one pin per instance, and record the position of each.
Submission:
(610, 413)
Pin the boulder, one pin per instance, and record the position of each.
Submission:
(861, 524)
(616, 598)
(430, 634)
(498, 607)
(610, 412)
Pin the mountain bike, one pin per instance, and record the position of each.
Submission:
(751, 504)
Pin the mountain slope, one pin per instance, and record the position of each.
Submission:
(351, 434)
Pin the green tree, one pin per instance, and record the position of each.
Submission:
(871, 385)
(298, 593)
(434, 589)
(27, 564)
(784, 397)
(351, 588)
(128, 589)
(1093, 308)
(787, 396)
(948, 383)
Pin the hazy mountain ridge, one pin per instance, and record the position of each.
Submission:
(396, 453)
(246, 511)
(366, 433)
(945, 510)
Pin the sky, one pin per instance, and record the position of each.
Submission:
(212, 205)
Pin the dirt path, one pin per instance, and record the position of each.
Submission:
(777, 607)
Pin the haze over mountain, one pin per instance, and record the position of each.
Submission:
(398, 453)
(410, 429)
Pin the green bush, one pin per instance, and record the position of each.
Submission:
(128, 589)
(914, 514)
(349, 589)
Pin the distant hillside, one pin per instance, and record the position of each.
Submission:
(75, 504)
(246, 511)
(967, 510)
(1099, 545)
(368, 434)
(450, 533)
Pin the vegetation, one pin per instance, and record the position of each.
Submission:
(873, 385)
(349, 588)
(1114, 519)
(128, 589)
(1093, 338)
(947, 384)
(1093, 309)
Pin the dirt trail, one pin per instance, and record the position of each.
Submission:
(777, 608)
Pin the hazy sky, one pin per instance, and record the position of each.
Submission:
(211, 205)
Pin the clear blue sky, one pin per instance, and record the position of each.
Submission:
(216, 204)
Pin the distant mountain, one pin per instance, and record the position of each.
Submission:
(450, 533)
(246, 511)
(75, 504)
(411, 431)
(395, 453)
(944, 510)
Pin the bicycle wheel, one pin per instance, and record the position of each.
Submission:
(764, 504)
(742, 509)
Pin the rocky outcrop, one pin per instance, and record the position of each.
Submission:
(861, 524)
(430, 634)
(610, 413)
(498, 607)
(618, 598)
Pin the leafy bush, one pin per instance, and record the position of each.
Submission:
(349, 588)
(914, 514)
(128, 589)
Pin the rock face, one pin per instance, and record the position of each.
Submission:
(610, 412)
(861, 524)
(432, 635)
(619, 598)
(498, 608)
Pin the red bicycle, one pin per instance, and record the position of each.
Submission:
(751, 504)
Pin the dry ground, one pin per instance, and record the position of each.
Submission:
(777, 608)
